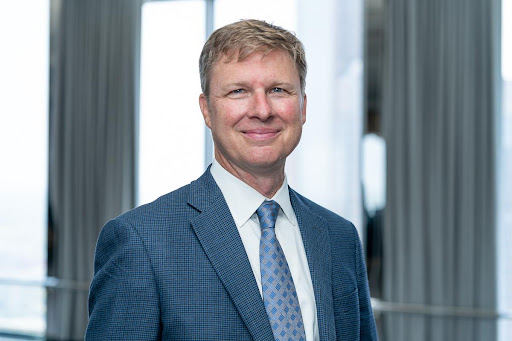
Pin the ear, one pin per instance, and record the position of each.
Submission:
(203, 104)
(304, 105)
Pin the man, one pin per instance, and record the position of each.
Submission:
(236, 254)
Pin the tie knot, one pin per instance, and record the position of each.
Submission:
(267, 214)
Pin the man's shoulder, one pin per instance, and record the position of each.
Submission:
(334, 221)
(174, 205)
(164, 207)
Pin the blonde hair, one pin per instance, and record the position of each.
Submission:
(240, 39)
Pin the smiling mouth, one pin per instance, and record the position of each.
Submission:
(261, 134)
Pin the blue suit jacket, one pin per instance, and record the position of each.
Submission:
(176, 269)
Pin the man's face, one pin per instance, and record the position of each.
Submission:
(255, 111)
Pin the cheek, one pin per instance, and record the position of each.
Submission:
(229, 115)
(291, 112)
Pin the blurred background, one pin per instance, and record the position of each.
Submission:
(409, 135)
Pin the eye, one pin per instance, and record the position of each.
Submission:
(238, 91)
(277, 90)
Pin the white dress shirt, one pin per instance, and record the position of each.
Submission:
(243, 201)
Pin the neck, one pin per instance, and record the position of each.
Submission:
(267, 181)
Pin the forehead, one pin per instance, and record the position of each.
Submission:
(276, 61)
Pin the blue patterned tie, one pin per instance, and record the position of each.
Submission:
(279, 293)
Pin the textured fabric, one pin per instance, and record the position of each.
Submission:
(176, 269)
(92, 142)
(441, 89)
(279, 295)
(243, 201)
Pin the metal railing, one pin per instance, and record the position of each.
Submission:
(380, 306)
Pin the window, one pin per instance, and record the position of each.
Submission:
(504, 179)
(282, 13)
(24, 27)
(172, 133)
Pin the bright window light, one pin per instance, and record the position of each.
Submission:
(504, 235)
(506, 46)
(282, 13)
(24, 37)
(171, 140)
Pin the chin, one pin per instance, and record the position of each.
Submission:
(266, 163)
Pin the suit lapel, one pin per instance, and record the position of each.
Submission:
(221, 241)
(315, 237)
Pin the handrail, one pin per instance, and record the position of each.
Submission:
(48, 282)
(379, 305)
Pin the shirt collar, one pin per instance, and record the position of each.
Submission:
(243, 200)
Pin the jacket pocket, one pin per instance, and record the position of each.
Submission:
(346, 316)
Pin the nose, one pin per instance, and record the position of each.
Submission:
(261, 106)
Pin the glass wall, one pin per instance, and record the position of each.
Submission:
(171, 128)
(504, 177)
(24, 154)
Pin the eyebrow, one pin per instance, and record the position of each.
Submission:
(284, 84)
(236, 84)
(245, 84)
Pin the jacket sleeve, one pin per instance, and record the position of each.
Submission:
(353, 314)
(123, 297)
(368, 330)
